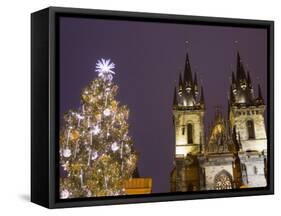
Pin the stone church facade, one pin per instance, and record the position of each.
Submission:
(232, 153)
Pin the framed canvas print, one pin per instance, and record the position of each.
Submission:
(138, 107)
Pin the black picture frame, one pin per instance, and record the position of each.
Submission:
(44, 106)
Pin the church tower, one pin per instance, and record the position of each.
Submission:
(188, 114)
(246, 116)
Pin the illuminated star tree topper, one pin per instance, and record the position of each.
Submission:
(105, 68)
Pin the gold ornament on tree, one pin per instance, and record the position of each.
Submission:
(74, 135)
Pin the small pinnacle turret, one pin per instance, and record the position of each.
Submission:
(175, 101)
(259, 99)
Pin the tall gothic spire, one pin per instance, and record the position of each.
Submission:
(187, 93)
(187, 73)
(241, 91)
(242, 72)
(240, 69)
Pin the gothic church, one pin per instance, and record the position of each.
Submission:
(233, 153)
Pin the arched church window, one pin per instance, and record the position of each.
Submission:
(250, 129)
(223, 182)
(189, 133)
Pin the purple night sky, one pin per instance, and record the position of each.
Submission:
(149, 57)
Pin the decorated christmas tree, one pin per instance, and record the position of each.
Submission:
(96, 152)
